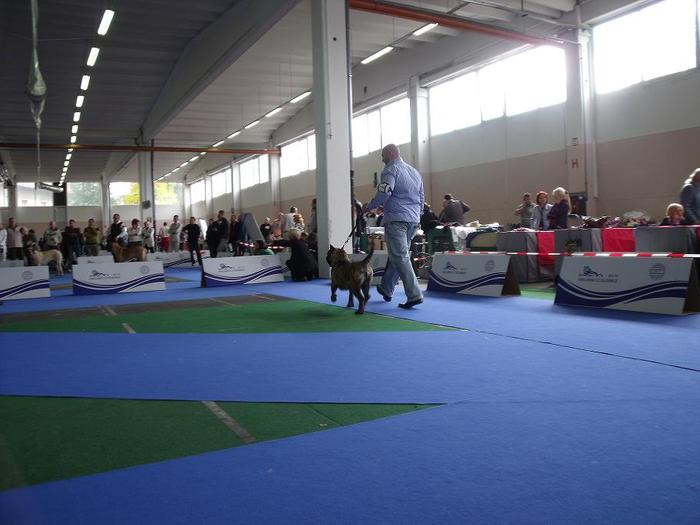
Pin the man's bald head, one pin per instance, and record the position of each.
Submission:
(389, 153)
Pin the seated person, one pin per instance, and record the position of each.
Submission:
(302, 263)
(453, 210)
(674, 216)
(261, 249)
(428, 220)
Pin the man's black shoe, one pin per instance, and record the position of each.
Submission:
(410, 304)
(385, 295)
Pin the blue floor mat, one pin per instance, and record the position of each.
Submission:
(397, 367)
(525, 463)
(669, 339)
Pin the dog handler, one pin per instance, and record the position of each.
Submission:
(401, 193)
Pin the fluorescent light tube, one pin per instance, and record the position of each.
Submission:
(66, 163)
(425, 29)
(92, 57)
(74, 128)
(76, 116)
(184, 164)
(73, 139)
(202, 154)
(300, 97)
(376, 55)
(68, 157)
(273, 112)
(106, 20)
(84, 82)
(252, 124)
(217, 144)
(194, 158)
(176, 169)
(234, 134)
(70, 150)
(79, 101)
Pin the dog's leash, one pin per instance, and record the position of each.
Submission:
(349, 236)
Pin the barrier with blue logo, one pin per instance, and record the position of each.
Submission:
(12, 264)
(667, 285)
(226, 271)
(176, 259)
(489, 275)
(29, 282)
(89, 279)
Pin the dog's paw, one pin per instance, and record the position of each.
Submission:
(359, 312)
(334, 297)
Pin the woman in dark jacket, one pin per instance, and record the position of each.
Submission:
(302, 263)
(559, 214)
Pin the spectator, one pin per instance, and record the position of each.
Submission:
(428, 220)
(212, 239)
(52, 237)
(92, 238)
(302, 263)
(147, 234)
(453, 210)
(30, 243)
(115, 230)
(261, 249)
(72, 244)
(174, 234)
(525, 211)
(15, 247)
(163, 238)
(559, 213)
(540, 219)
(222, 227)
(266, 229)
(299, 222)
(287, 220)
(690, 198)
(135, 233)
(193, 232)
(313, 220)
(674, 216)
(3, 243)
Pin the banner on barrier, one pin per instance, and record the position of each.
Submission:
(95, 259)
(11, 264)
(177, 259)
(639, 284)
(225, 271)
(489, 275)
(378, 263)
(24, 283)
(106, 278)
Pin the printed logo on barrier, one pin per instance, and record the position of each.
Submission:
(96, 275)
(28, 275)
(225, 268)
(144, 269)
(264, 263)
(452, 269)
(490, 265)
(657, 272)
(589, 275)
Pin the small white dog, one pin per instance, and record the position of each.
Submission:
(45, 257)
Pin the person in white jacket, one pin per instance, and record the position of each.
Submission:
(3, 243)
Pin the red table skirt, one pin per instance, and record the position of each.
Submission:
(618, 240)
(165, 243)
(545, 245)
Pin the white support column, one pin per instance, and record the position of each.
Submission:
(420, 137)
(580, 139)
(332, 119)
(236, 188)
(106, 206)
(146, 186)
(11, 204)
(275, 182)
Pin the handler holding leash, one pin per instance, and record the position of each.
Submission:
(401, 193)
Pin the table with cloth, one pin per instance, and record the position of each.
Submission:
(672, 239)
(618, 240)
(529, 268)
(585, 239)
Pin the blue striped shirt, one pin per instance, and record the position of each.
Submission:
(400, 192)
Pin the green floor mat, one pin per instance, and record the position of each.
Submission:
(45, 439)
(275, 316)
(544, 290)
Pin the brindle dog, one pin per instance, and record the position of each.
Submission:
(353, 276)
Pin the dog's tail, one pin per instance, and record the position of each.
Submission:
(369, 255)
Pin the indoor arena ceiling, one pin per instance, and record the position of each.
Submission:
(169, 70)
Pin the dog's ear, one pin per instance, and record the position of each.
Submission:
(332, 247)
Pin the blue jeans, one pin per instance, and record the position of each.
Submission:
(397, 236)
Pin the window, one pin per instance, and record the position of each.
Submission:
(124, 193)
(84, 194)
(655, 41)
(221, 182)
(4, 198)
(311, 148)
(264, 171)
(197, 192)
(29, 195)
(168, 193)
(396, 122)
(532, 79)
(296, 157)
(255, 171)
